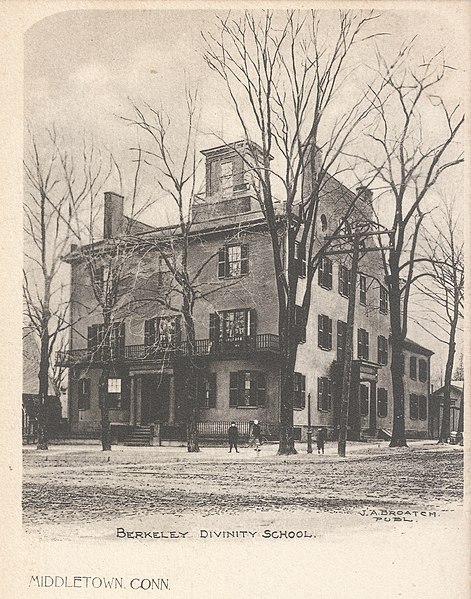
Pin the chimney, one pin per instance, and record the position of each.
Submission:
(113, 215)
(365, 194)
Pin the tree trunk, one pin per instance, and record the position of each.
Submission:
(103, 384)
(43, 390)
(105, 412)
(286, 445)
(190, 373)
(348, 356)
(445, 424)
(398, 438)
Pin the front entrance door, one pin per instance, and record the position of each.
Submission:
(364, 405)
(155, 398)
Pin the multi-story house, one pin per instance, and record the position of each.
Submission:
(236, 324)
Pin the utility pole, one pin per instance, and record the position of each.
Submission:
(356, 241)
(309, 424)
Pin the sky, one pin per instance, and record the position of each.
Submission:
(83, 69)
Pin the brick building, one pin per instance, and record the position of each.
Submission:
(237, 326)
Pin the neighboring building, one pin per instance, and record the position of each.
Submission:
(456, 405)
(30, 397)
(237, 326)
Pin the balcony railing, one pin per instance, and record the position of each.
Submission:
(202, 347)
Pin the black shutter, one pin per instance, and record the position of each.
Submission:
(320, 330)
(238, 172)
(212, 390)
(319, 393)
(222, 259)
(244, 259)
(149, 332)
(214, 328)
(215, 174)
(303, 391)
(122, 338)
(252, 329)
(261, 389)
(234, 389)
(328, 272)
(328, 329)
(92, 339)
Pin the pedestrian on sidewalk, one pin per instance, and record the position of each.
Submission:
(256, 434)
(320, 439)
(233, 434)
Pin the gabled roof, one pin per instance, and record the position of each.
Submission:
(416, 348)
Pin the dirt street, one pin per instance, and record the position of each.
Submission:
(82, 484)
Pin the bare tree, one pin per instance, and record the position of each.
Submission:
(283, 78)
(410, 151)
(445, 250)
(49, 228)
(176, 166)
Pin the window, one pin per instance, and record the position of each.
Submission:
(226, 178)
(300, 259)
(324, 394)
(232, 328)
(413, 406)
(325, 273)
(422, 407)
(96, 341)
(84, 394)
(206, 389)
(364, 400)
(162, 331)
(300, 323)
(341, 339)
(99, 279)
(413, 368)
(363, 290)
(323, 222)
(383, 300)
(423, 371)
(324, 332)
(114, 393)
(344, 281)
(247, 389)
(382, 350)
(382, 403)
(363, 344)
(233, 261)
(299, 399)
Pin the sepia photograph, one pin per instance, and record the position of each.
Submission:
(243, 329)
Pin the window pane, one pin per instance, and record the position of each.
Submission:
(114, 385)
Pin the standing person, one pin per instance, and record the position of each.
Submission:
(320, 440)
(256, 433)
(233, 434)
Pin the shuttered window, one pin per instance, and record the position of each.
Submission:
(234, 328)
(325, 273)
(423, 371)
(341, 339)
(383, 300)
(363, 290)
(382, 403)
(247, 389)
(233, 261)
(413, 368)
(422, 400)
(83, 394)
(413, 406)
(299, 383)
(382, 350)
(324, 394)
(363, 344)
(324, 332)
